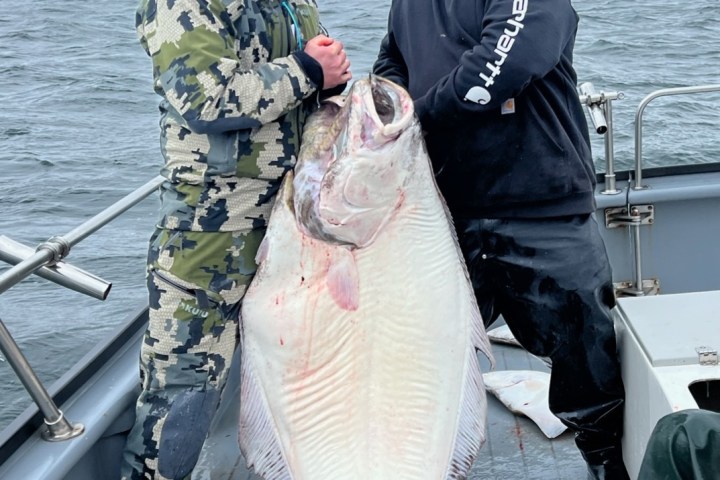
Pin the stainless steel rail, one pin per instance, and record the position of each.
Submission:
(48, 254)
(68, 276)
(599, 106)
(639, 118)
(56, 248)
(638, 286)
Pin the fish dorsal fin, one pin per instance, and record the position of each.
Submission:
(480, 336)
(471, 429)
(258, 436)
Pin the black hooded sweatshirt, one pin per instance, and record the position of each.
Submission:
(495, 90)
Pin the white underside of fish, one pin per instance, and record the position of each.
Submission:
(361, 364)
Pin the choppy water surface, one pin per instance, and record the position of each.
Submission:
(78, 130)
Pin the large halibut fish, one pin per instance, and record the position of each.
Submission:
(360, 330)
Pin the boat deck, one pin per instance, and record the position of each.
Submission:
(516, 449)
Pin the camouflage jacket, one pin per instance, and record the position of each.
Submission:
(236, 90)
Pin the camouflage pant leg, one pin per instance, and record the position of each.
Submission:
(195, 283)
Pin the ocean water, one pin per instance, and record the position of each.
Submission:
(79, 130)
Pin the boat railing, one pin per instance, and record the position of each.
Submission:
(47, 261)
(638, 215)
(638, 185)
(599, 106)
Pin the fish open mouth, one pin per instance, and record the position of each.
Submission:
(384, 105)
(388, 105)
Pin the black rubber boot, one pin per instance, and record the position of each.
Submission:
(606, 464)
(610, 471)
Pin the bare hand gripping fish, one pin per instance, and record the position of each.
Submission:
(360, 330)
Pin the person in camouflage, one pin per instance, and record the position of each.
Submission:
(237, 80)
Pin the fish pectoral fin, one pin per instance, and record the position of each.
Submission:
(262, 251)
(343, 280)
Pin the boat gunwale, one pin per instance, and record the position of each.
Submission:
(29, 421)
(664, 171)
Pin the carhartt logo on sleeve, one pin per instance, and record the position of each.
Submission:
(480, 94)
(508, 106)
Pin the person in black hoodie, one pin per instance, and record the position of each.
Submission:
(496, 93)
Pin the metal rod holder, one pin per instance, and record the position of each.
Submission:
(610, 185)
(599, 107)
(593, 101)
(60, 272)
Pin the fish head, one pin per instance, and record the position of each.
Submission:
(356, 158)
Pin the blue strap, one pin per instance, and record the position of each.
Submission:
(296, 25)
